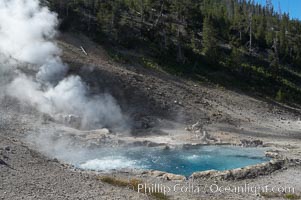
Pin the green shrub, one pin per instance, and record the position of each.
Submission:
(291, 196)
(280, 96)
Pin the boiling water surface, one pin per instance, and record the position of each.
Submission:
(177, 161)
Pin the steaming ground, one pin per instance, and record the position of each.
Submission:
(56, 104)
(30, 140)
(35, 74)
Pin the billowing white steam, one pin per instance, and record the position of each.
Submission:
(32, 71)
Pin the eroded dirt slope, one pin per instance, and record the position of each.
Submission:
(149, 99)
(146, 93)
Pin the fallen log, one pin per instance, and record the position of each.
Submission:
(83, 50)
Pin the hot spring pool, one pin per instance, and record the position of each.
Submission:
(177, 161)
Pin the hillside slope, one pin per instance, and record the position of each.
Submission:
(143, 92)
(237, 44)
(145, 96)
(150, 99)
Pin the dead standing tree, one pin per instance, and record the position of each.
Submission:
(250, 21)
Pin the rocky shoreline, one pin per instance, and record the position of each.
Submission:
(235, 119)
(277, 162)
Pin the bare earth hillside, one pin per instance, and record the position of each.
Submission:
(159, 107)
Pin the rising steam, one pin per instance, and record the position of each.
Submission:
(31, 69)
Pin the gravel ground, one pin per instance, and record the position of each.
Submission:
(30, 175)
(156, 103)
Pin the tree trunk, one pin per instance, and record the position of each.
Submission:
(180, 54)
(142, 16)
(250, 24)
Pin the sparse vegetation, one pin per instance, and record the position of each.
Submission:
(291, 196)
(132, 184)
(280, 95)
(234, 43)
(269, 195)
(159, 196)
(114, 181)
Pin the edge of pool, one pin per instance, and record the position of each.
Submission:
(277, 162)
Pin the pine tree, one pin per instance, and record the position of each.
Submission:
(209, 41)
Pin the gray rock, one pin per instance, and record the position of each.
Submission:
(173, 177)
(251, 143)
(241, 173)
(204, 174)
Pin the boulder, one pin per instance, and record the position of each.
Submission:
(156, 173)
(173, 177)
(272, 154)
(241, 173)
(251, 143)
(204, 174)
(223, 175)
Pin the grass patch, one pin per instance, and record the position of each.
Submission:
(159, 196)
(291, 196)
(269, 195)
(132, 184)
(114, 181)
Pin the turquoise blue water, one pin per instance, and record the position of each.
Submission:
(177, 161)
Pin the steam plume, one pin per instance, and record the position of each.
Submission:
(31, 69)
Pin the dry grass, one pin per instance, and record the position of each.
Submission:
(131, 184)
(114, 181)
(278, 195)
(159, 196)
(269, 194)
(291, 196)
